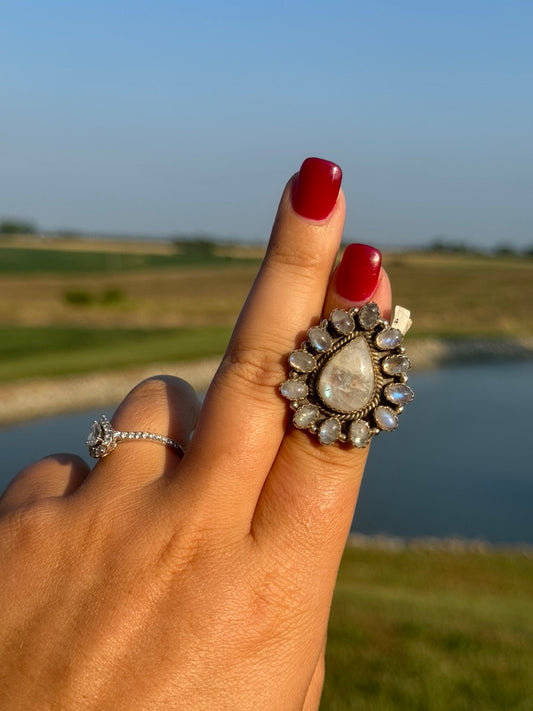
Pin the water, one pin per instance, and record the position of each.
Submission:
(459, 464)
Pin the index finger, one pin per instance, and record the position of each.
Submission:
(243, 420)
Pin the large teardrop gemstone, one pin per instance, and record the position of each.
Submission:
(346, 382)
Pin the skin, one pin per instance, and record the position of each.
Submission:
(152, 582)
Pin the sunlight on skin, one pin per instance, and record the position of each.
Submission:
(207, 579)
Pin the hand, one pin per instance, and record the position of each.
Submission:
(154, 582)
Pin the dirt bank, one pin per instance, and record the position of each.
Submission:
(25, 400)
(28, 399)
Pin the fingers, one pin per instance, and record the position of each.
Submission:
(359, 278)
(310, 495)
(162, 405)
(57, 475)
(242, 421)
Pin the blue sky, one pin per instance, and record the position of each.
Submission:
(167, 117)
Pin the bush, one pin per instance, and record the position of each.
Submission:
(111, 296)
(81, 297)
(78, 297)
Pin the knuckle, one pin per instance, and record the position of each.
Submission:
(153, 390)
(334, 465)
(253, 369)
(307, 257)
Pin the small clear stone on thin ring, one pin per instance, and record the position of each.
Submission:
(103, 439)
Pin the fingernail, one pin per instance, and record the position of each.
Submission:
(316, 188)
(358, 272)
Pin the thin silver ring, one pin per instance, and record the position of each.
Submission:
(103, 439)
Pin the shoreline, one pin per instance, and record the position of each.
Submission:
(397, 544)
(30, 399)
(38, 397)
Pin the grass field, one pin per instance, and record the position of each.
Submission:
(411, 630)
(421, 630)
(27, 352)
(148, 298)
(463, 295)
(27, 260)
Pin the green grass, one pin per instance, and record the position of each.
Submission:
(431, 631)
(18, 260)
(29, 352)
(464, 296)
(450, 296)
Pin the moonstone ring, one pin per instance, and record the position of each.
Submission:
(103, 439)
(348, 380)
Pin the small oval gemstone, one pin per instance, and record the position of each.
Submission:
(319, 338)
(369, 315)
(305, 416)
(359, 433)
(398, 393)
(385, 418)
(293, 389)
(342, 321)
(396, 364)
(329, 430)
(302, 361)
(388, 338)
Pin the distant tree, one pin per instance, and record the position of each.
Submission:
(450, 246)
(66, 233)
(17, 227)
(437, 245)
(195, 246)
(504, 250)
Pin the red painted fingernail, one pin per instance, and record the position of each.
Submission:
(316, 188)
(358, 272)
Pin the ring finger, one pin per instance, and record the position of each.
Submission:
(163, 405)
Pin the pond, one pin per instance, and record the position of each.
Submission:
(459, 464)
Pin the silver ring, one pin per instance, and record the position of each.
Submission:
(348, 380)
(103, 439)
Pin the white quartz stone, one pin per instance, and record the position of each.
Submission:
(385, 418)
(359, 433)
(293, 389)
(346, 382)
(302, 361)
(305, 416)
(388, 338)
(398, 393)
(329, 430)
(396, 364)
(342, 321)
(319, 338)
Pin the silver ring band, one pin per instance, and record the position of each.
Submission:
(103, 439)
